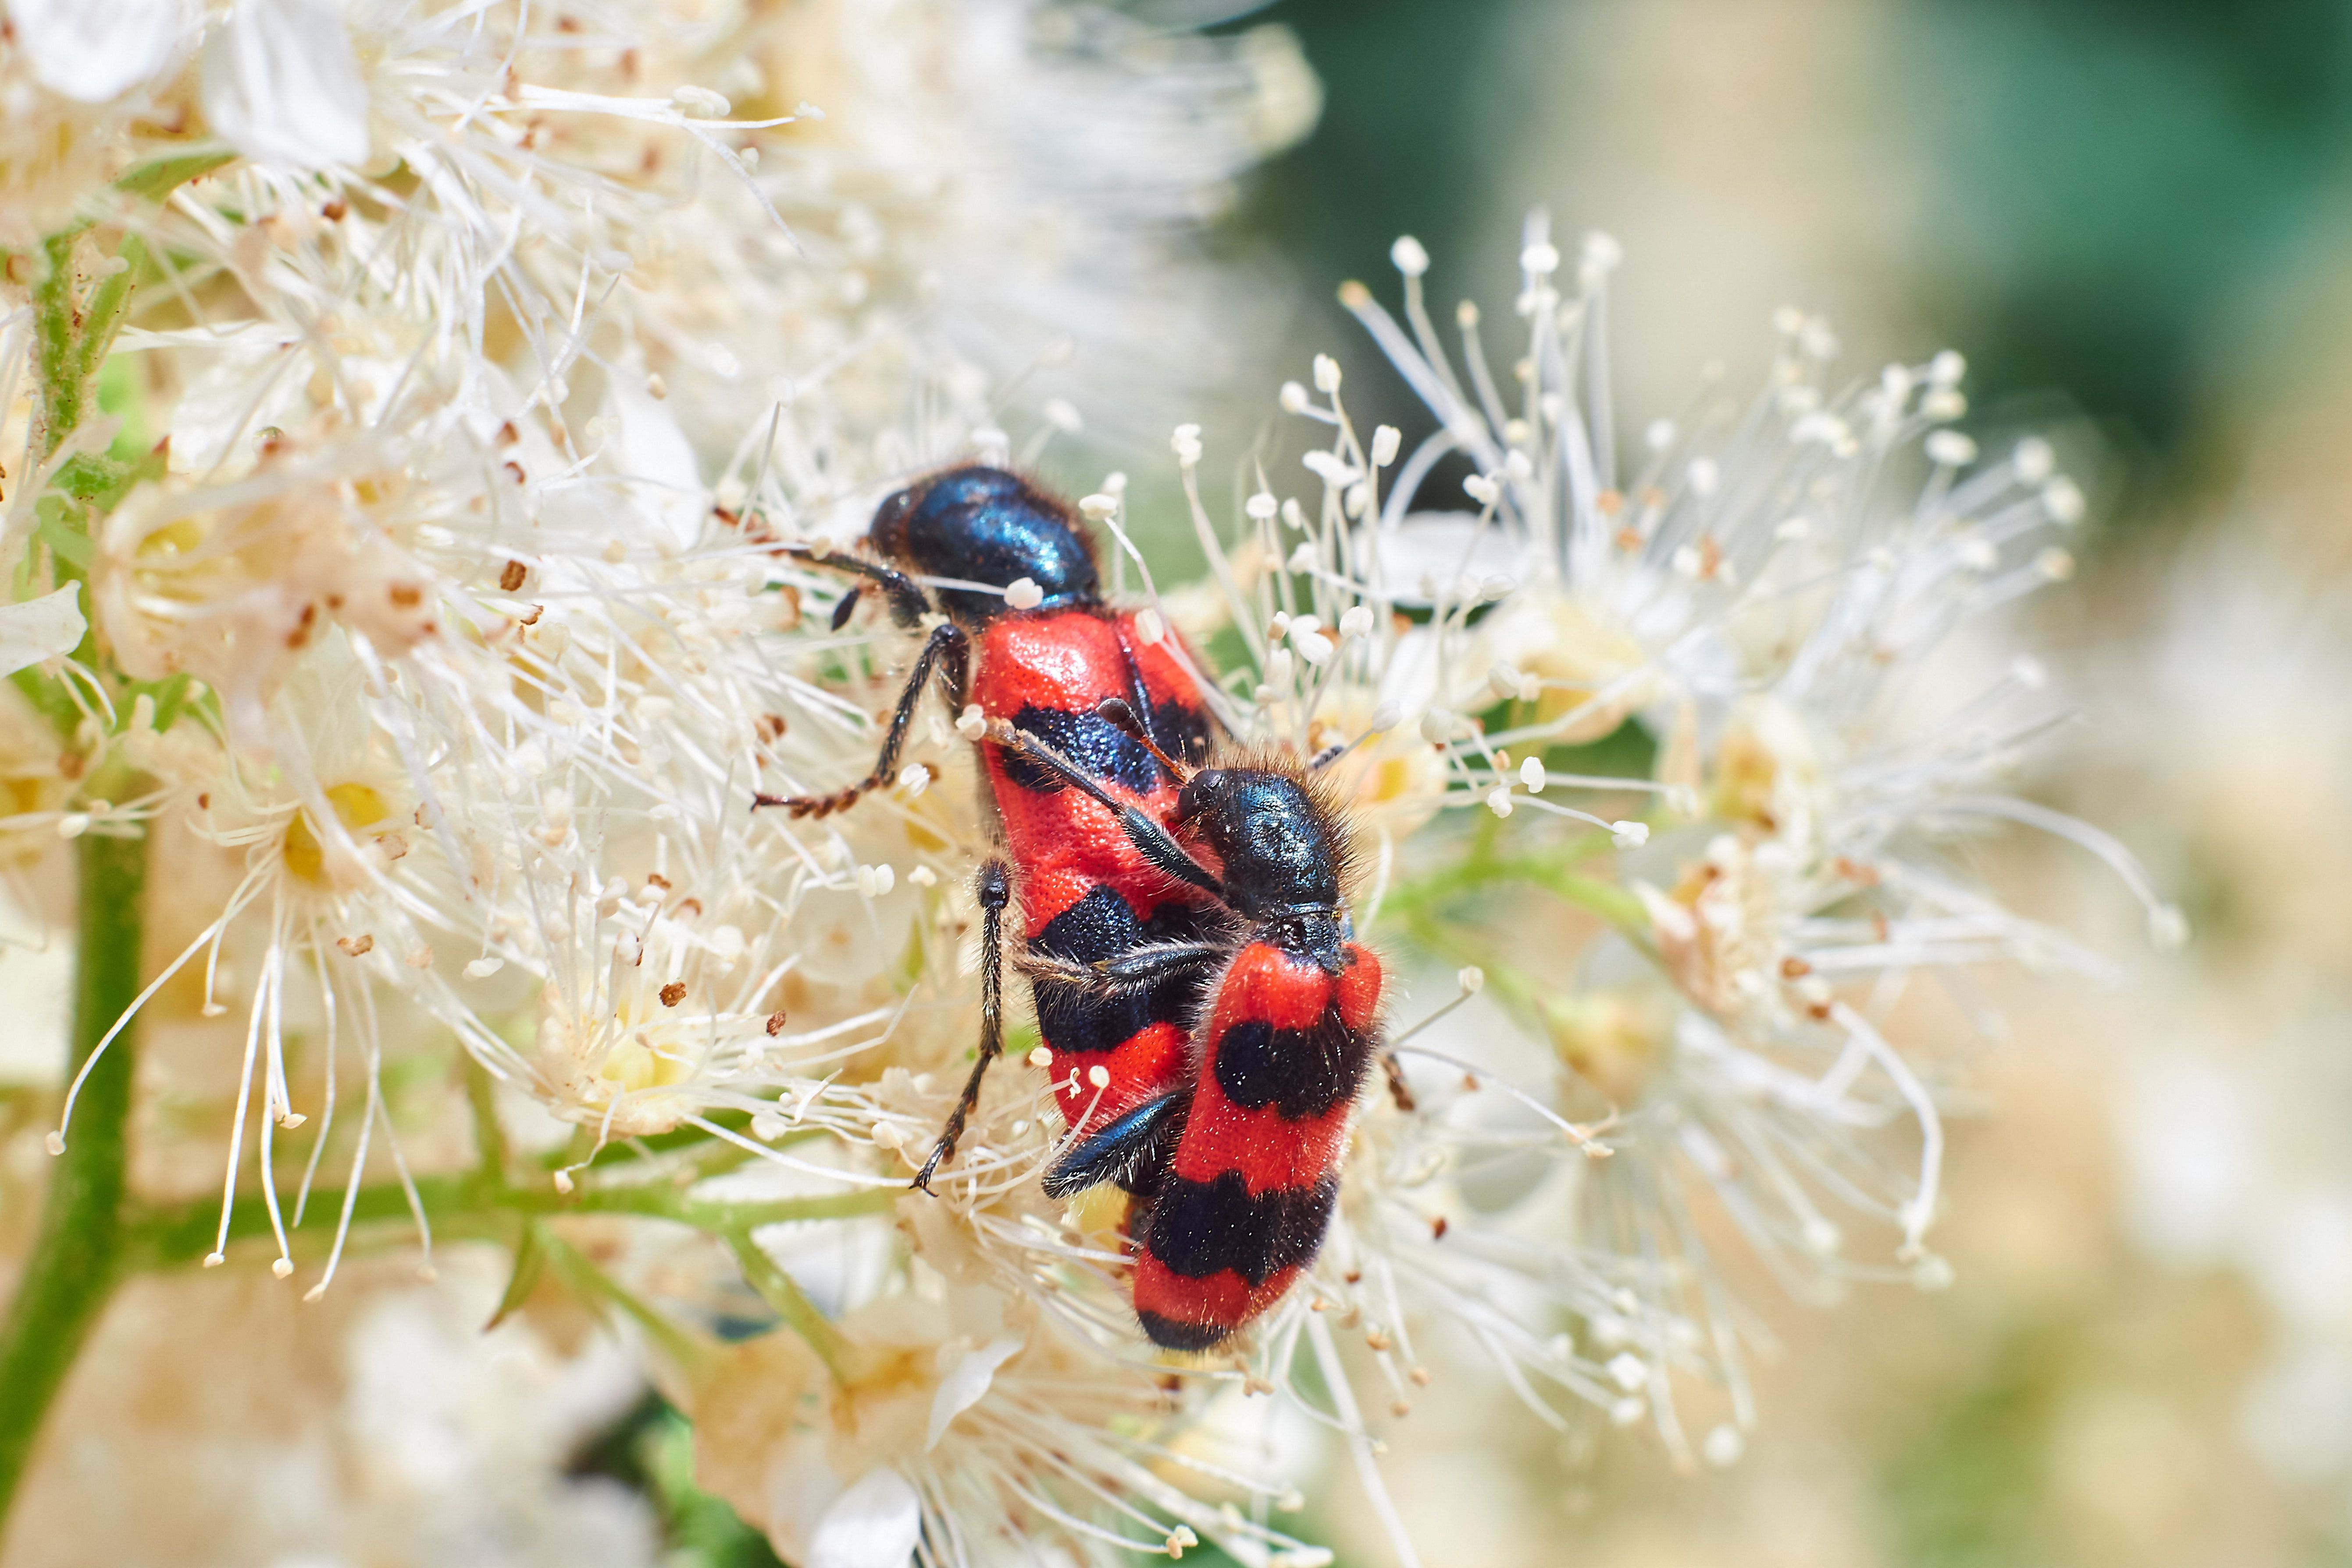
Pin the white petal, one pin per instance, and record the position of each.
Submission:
(874, 1524)
(281, 84)
(40, 628)
(93, 50)
(966, 1382)
(653, 451)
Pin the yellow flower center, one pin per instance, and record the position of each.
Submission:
(357, 805)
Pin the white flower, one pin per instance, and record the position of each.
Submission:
(47, 627)
(95, 50)
(1756, 594)
(281, 84)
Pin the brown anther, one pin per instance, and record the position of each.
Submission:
(689, 907)
(775, 1023)
(673, 994)
(1420, 1376)
(1376, 1341)
(656, 879)
(334, 211)
(1794, 968)
(302, 624)
(772, 728)
(1470, 1083)
(1401, 1409)
(509, 435)
(204, 801)
(1355, 1276)
(511, 467)
(1437, 1228)
(407, 595)
(532, 619)
(353, 946)
(511, 576)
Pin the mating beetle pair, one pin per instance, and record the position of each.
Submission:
(1209, 1015)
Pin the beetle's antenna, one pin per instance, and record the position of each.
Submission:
(1383, 720)
(1123, 718)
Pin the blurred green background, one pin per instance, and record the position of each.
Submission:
(2104, 202)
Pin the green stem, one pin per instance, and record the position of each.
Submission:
(74, 1259)
(57, 329)
(684, 1350)
(467, 1206)
(784, 1293)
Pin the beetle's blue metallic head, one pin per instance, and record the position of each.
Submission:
(985, 525)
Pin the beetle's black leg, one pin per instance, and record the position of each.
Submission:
(995, 890)
(1131, 1151)
(908, 604)
(947, 650)
(1155, 843)
(1137, 969)
(1398, 1090)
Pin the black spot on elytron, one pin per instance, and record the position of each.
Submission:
(1200, 1229)
(1101, 751)
(1101, 925)
(1132, 1150)
(1169, 1334)
(1300, 1072)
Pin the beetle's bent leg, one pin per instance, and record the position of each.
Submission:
(1152, 841)
(1398, 1089)
(945, 650)
(995, 890)
(905, 596)
(1137, 969)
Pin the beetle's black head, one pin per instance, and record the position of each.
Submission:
(985, 525)
(1282, 845)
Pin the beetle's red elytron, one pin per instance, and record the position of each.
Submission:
(1086, 893)
(1236, 1168)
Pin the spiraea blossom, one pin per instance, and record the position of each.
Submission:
(1787, 608)
(427, 418)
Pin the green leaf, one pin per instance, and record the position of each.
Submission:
(69, 543)
(529, 1267)
(159, 177)
(100, 480)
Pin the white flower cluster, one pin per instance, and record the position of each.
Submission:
(479, 359)
(1788, 602)
(485, 363)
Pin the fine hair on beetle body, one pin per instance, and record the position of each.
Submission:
(1234, 1171)
(1000, 576)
